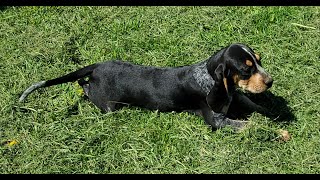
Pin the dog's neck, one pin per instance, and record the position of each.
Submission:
(203, 78)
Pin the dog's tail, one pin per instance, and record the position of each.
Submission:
(63, 79)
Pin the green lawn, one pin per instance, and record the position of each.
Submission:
(57, 131)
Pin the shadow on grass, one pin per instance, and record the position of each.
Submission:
(277, 106)
(2, 8)
(279, 111)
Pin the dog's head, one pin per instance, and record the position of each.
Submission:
(237, 66)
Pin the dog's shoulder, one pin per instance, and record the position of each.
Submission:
(202, 77)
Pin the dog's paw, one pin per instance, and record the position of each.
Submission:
(237, 125)
(261, 110)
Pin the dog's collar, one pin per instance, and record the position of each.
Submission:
(203, 78)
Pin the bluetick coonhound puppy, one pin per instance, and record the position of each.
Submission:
(207, 88)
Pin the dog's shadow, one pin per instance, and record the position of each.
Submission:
(277, 107)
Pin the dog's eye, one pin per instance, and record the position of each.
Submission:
(245, 68)
(244, 71)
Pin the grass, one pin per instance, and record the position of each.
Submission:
(57, 131)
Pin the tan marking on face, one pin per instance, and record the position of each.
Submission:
(225, 83)
(236, 78)
(255, 84)
(257, 56)
(248, 63)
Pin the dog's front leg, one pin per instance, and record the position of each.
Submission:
(219, 120)
(243, 101)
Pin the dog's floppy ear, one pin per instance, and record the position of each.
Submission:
(220, 96)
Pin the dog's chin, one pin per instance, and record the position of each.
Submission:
(251, 91)
(243, 90)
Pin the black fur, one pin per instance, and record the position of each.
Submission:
(196, 88)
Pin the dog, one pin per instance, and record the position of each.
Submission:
(207, 88)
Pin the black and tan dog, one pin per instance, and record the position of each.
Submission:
(207, 88)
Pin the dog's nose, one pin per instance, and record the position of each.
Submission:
(269, 82)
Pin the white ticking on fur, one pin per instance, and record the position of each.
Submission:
(203, 78)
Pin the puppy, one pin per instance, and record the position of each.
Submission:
(206, 88)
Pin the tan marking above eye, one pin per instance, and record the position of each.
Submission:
(257, 56)
(248, 63)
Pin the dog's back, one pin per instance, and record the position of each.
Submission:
(165, 89)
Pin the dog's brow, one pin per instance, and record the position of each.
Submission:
(247, 51)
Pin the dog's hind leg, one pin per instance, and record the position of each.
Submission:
(109, 107)
(105, 107)
(85, 85)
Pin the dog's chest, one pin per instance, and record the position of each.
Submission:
(203, 78)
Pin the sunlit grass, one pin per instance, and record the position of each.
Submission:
(57, 131)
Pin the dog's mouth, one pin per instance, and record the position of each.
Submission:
(253, 90)
(255, 84)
